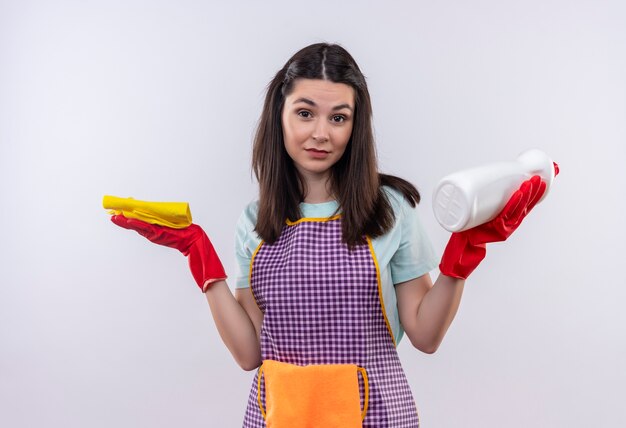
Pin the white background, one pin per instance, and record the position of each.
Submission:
(158, 100)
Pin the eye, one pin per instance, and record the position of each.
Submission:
(304, 113)
(339, 118)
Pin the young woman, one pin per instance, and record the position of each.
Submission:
(334, 263)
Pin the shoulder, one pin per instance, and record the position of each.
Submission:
(246, 242)
(247, 219)
(249, 212)
(393, 194)
(398, 202)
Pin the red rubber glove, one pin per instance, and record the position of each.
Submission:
(466, 249)
(204, 263)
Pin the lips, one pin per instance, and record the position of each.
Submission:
(317, 154)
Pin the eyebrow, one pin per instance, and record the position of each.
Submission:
(312, 103)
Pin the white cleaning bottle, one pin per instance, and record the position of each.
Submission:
(475, 196)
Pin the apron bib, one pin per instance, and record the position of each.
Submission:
(322, 306)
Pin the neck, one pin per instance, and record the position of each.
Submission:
(317, 190)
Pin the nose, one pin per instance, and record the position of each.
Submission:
(321, 132)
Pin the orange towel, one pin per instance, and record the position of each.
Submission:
(314, 396)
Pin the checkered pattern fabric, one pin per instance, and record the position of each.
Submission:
(321, 306)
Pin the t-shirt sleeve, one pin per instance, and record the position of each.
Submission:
(246, 242)
(415, 255)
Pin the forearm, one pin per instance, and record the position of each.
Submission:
(436, 312)
(234, 326)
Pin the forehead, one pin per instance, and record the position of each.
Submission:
(321, 92)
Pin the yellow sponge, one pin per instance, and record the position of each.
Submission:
(171, 214)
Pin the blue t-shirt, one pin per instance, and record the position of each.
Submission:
(403, 253)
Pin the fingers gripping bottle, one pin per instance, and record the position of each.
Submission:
(474, 196)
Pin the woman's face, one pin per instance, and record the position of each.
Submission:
(317, 123)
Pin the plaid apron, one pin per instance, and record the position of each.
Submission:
(321, 305)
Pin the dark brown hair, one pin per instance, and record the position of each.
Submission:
(355, 180)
